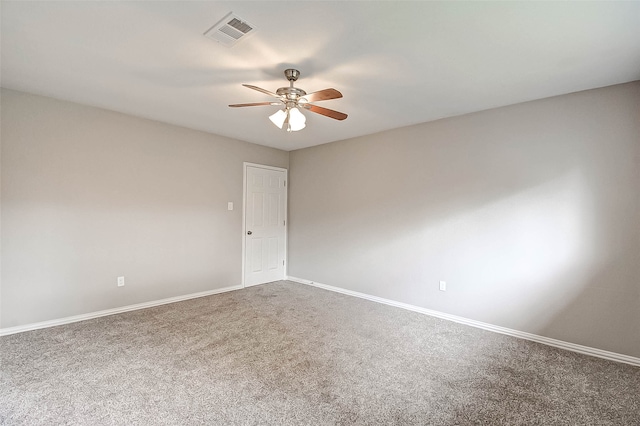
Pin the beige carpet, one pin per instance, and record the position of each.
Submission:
(288, 354)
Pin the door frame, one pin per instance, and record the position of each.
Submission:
(245, 165)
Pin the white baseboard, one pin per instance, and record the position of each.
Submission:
(76, 318)
(613, 356)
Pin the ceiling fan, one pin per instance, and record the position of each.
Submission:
(293, 99)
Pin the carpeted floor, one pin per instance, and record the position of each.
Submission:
(288, 354)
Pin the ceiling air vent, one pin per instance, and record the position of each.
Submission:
(230, 30)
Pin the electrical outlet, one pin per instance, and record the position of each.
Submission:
(443, 286)
(120, 281)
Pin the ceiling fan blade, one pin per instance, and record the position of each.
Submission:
(259, 89)
(255, 104)
(322, 95)
(325, 111)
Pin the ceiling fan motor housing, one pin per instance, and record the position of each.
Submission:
(290, 93)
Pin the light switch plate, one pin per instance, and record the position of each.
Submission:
(229, 205)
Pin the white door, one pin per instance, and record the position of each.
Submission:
(265, 224)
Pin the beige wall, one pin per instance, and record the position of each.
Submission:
(531, 213)
(89, 195)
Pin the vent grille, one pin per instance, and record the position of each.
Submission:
(230, 30)
(231, 33)
(239, 25)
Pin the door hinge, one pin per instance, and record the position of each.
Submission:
(284, 222)
(285, 183)
(283, 263)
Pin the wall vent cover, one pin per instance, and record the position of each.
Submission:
(230, 30)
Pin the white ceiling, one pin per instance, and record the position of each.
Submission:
(396, 63)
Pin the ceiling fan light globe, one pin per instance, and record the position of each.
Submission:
(297, 119)
(292, 128)
(278, 118)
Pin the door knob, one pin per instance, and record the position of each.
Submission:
(249, 232)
